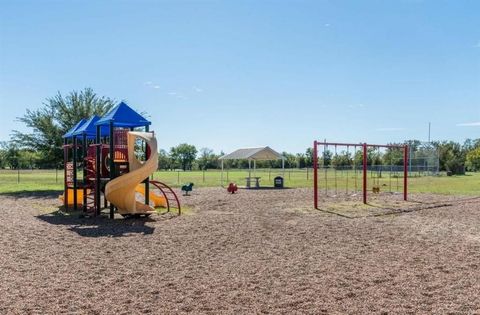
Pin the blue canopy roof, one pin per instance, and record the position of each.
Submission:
(123, 116)
(89, 128)
(70, 132)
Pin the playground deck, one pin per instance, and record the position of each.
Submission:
(252, 252)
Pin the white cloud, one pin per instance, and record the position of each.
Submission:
(356, 106)
(177, 95)
(469, 124)
(390, 129)
(327, 24)
(197, 89)
(151, 85)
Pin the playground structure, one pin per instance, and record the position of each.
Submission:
(350, 172)
(108, 150)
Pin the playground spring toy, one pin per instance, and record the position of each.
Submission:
(232, 188)
(187, 188)
(116, 160)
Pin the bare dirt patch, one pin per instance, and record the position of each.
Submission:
(385, 203)
(261, 251)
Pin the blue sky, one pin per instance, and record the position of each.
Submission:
(230, 74)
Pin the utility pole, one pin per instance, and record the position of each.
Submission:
(429, 128)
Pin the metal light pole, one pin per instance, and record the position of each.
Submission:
(429, 129)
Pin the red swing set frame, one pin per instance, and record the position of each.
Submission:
(364, 147)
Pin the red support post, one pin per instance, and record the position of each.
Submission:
(65, 184)
(315, 174)
(405, 173)
(365, 155)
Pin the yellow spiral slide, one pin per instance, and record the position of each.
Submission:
(121, 190)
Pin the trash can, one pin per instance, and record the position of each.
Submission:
(278, 182)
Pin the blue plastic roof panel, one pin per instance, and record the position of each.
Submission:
(70, 132)
(90, 130)
(123, 115)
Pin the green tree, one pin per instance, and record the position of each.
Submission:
(58, 114)
(11, 155)
(452, 157)
(471, 144)
(473, 160)
(309, 157)
(374, 156)
(342, 160)
(325, 158)
(2, 155)
(358, 158)
(164, 160)
(393, 156)
(184, 155)
(300, 160)
(413, 144)
(290, 160)
(207, 159)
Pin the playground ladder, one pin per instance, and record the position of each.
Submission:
(91, 184)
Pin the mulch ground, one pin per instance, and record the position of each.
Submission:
(263, 251)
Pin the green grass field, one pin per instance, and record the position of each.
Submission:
(12, 181)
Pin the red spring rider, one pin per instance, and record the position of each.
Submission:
(232, 188)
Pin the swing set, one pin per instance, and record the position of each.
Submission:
(350, 173)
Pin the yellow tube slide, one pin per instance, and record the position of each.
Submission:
(121, 190)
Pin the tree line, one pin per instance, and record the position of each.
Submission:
(42, 148)
(452, 156)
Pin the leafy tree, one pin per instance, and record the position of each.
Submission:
(290, 160)
(342, 160)
(300, 160)
(28, 159)
(164, 160)
(393, 156)
(309, 157)
(184, 155)
(471, 144)
(207, 159)
(358, 158)
(11, 155)
(374, 157)
(413, 144)
(452, 157)
(325, 158)
(50, 122)
(2, 154)
(473, 160)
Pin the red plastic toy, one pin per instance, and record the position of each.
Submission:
(232, 188)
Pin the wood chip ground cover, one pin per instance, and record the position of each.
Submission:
(264, 251)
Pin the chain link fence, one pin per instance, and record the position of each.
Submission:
(206, 178)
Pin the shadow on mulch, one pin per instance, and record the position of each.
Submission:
(98, 226)
(264, 188)
(33, 194)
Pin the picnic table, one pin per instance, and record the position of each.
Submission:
(249, 181)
